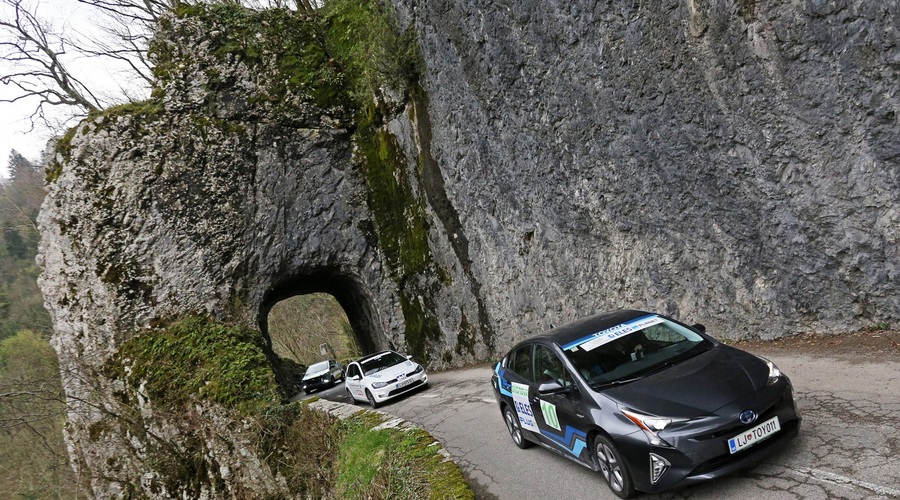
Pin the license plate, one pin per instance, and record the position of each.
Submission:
(754, 435)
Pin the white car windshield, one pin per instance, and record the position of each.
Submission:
(381, 362)
(318, 367)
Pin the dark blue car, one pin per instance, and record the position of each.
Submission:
(649, 402)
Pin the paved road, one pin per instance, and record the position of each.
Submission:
(849, 444)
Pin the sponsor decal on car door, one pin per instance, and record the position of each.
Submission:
(355, 385)
(523, 407)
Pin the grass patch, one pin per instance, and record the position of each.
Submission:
(878, 327)
(393, 463)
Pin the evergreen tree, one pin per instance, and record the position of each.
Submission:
(21, 302)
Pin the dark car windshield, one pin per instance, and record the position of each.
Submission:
(632, 350)
(318, 367)
(381, 362)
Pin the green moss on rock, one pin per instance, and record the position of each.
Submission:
(284, 49)
(63, 149)
(197, 358)
(400, 217)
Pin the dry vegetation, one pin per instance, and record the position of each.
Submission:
(298, 325)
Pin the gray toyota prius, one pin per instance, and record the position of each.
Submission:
(649, 402)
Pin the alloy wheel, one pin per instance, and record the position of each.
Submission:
(515, 430)
(610, 467)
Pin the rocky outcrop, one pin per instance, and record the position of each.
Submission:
(734, 163)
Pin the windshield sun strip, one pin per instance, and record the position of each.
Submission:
(620, 329)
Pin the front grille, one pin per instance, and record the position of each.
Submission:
(404, 389)
(393, 380)
(315, 380)
(727, 458)
(764, 415)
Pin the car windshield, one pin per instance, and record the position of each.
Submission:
(633, 350)
(318, 367)
(381, 362)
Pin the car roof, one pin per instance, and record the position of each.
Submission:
(578, 329)
(374, 355)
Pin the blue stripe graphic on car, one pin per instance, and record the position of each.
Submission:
(504, 385)
(573, 442)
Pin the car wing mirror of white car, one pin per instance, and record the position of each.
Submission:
(354, 377)
(409, 356)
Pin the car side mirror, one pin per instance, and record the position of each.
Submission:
(354, 377)
(699, 327)
(409, 356)
(553, 387)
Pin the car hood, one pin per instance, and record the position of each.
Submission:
(698, 386)
(316, 374)
(391, 372)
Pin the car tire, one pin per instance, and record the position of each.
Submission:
(515, 430)
(350, 395)
(614, 470)
(371, 399)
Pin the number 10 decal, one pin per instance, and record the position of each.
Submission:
(549, 411)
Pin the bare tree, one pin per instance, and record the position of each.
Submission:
(35, 50)
(128, 26)
(120, 34)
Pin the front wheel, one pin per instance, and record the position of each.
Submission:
(615, 472)
(350, 396)
(515, 430)
(371, 399)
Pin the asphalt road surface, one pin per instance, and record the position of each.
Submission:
(848, 448)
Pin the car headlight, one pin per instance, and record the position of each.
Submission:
(774, 372)
(418, 369)
(651, 425)
(378, 385)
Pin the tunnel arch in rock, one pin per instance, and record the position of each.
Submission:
(350, 292)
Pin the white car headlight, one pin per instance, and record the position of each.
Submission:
(378, 385)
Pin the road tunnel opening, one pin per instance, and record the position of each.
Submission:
(316, 317)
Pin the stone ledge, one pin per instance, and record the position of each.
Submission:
(343, 411)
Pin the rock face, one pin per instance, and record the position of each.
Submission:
(731, 163)
(735, 163)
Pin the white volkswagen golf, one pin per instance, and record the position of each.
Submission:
(378, 377)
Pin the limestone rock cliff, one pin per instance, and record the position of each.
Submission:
(735, 163)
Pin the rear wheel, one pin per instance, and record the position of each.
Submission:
(614, 471)
(371, 399)
(515, 430)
